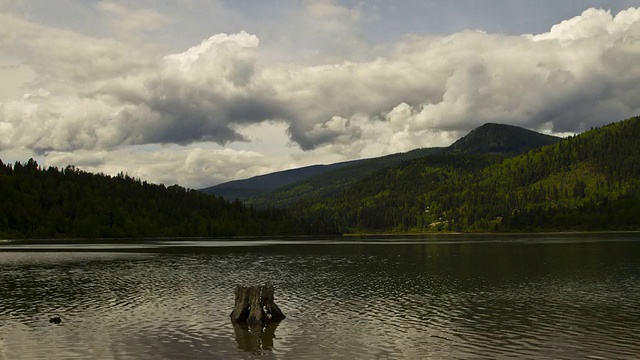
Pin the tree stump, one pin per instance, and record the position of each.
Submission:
(254, 305)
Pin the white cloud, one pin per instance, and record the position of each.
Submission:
(592, 23)
(91, 98)
(219, 45)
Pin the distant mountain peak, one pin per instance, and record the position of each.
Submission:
(493, 138)
(490, 138)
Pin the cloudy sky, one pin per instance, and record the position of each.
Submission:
(198, 92)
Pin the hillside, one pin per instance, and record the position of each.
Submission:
(500, 139)
(282, 188)
(253, 188)
(331, 182)
(587, 182)
(51, 203)
(504, 140)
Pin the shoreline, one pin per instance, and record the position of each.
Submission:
(303, 237)
(573, 232)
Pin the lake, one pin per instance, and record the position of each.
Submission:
(434, 297)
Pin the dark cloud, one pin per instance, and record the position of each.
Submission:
(582, 73)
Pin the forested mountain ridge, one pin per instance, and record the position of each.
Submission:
(39, 203)
(587, 182)
(498, 139)
(257, 185)
(254, 188)
(330, 183)
(282, 188)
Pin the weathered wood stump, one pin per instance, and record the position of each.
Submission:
(254, 305)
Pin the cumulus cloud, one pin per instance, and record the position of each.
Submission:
(99, 94)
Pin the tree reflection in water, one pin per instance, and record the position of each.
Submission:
(255, 338)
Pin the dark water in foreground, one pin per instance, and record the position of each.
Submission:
(460, 297)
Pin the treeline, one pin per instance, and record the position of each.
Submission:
(52, 202)
(586, 182)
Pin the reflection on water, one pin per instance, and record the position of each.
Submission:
(447, 298)
(255, 338)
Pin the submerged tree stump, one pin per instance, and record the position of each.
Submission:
(254, 305)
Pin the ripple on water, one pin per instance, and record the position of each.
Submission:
(391, 301)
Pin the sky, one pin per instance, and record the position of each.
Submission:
(200, 92)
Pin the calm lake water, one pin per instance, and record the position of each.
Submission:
(445, 297)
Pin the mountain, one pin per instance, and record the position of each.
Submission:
(500, 139)
(586, 182)
(258, 185)
(504, 140)
(255, 187)
(283, 187)
(331, 182)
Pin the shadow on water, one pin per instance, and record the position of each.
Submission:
(256, 338)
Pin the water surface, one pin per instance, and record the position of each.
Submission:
(454, 297)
